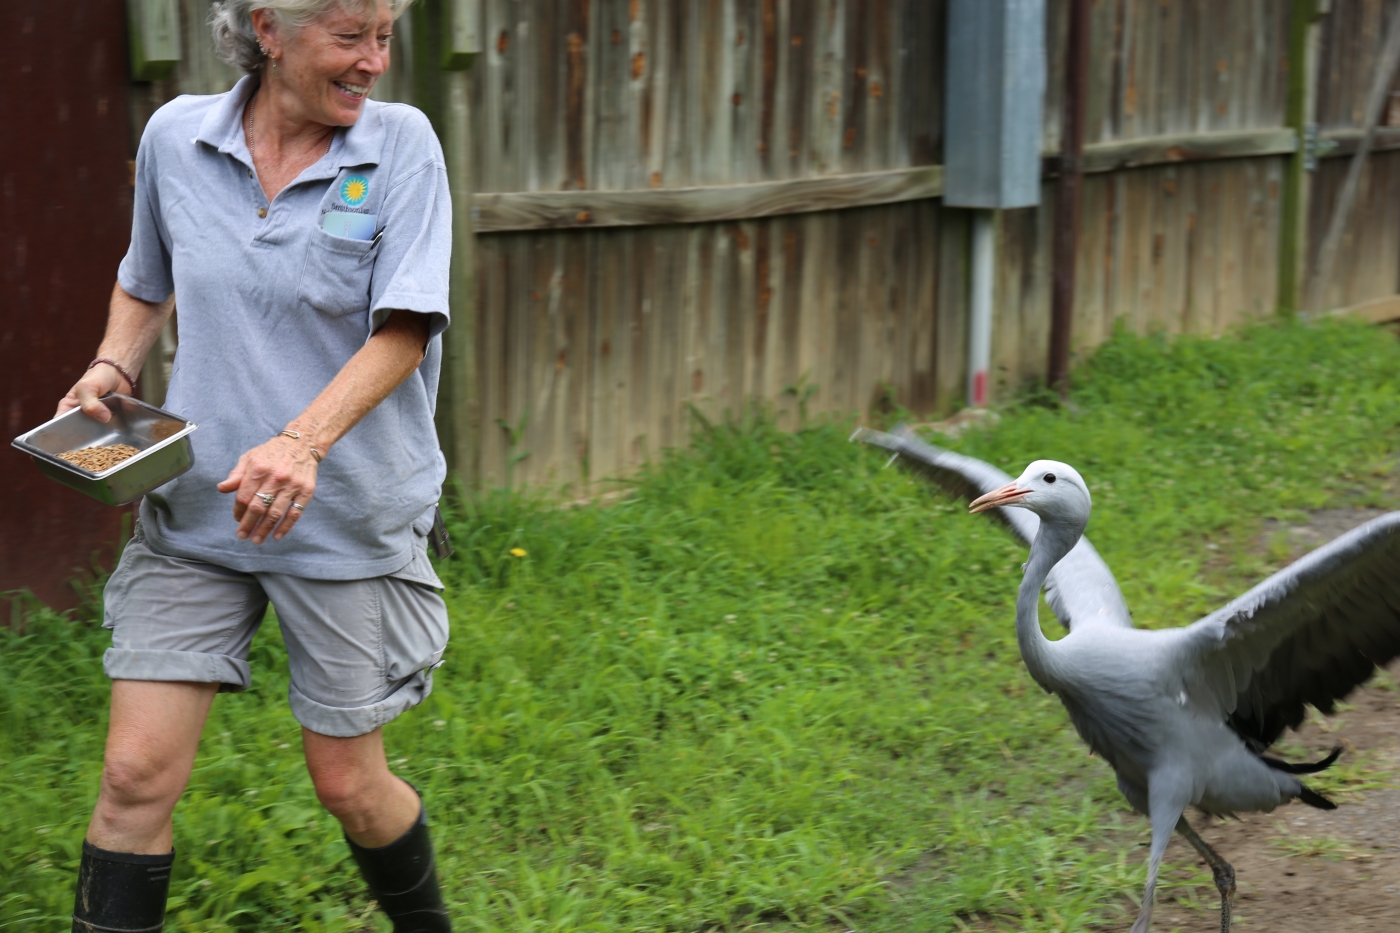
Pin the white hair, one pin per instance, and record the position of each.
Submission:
(236, 42)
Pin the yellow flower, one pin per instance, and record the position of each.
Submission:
(518, 552)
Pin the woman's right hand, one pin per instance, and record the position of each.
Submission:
(87, 392)
(284, 471)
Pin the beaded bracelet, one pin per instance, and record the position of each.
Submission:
(130, 380)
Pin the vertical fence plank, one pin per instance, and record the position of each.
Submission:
(459, 403)
(951, 363)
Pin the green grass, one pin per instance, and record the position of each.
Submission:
(775, 687)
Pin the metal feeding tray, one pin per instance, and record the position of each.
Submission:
(162, 438)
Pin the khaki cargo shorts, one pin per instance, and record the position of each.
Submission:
(360, 651)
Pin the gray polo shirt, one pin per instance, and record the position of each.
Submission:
(271, 305)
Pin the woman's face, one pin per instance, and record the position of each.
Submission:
(330, 64)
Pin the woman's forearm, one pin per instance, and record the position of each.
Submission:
(287, 465)
(133, 326)
(381, 365)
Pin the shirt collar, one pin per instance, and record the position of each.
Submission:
(360, 144)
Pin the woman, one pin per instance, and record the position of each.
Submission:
(306, 233)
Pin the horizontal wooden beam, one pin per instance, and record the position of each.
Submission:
(1188, 147)
(503, 212)
(1376, 311)
(544, 210)
(1344, 142)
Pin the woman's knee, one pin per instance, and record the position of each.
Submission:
(335, 788)
(137, 779)
(152, 740)
(347, 793)
(350, 774)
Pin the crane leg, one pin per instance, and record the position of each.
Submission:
(1161, 835)
(1222, 870)
(1168, 792)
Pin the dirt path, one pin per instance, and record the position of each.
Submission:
(1302, 870)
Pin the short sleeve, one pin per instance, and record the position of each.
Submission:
(145, 271)
(415, 250)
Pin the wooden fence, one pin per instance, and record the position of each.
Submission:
(667, 205)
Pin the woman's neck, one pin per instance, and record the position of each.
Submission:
(282, 141)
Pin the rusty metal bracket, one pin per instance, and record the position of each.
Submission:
(1315, 146)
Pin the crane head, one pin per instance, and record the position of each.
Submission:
(1055, 491)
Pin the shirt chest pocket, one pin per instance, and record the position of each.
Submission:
(337, 274)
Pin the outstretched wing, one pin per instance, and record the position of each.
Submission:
(1310, 634)
(1081, 589)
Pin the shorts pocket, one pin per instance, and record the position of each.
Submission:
(336, 277)
(415, 627)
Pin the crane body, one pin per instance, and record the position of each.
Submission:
(1184, 715)
(1124, 693)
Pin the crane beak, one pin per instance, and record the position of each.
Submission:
(1010, 494)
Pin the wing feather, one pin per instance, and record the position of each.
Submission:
(1081, 590)
(1308, 635)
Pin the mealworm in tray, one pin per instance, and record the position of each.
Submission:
(97, 459)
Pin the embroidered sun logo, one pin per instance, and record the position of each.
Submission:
(354, 190)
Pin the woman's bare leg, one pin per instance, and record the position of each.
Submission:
(354, 783)
(151, 744)
(385, 824)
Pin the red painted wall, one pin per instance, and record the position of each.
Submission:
(65, 219)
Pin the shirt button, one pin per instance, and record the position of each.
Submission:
(262, 212)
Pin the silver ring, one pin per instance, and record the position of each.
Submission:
(298, 506)
(267, 497)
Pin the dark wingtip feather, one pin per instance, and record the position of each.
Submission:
(1304, 768)
(1314, 799)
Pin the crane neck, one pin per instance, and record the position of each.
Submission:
(1053, 540)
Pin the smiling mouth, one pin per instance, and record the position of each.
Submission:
(352, 91)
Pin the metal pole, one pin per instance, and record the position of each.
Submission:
(979, 344)
(1067, 194)
(1303, 40)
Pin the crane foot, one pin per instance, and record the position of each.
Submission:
(1225, 884)
(1223, 872)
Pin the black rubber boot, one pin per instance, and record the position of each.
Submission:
(120, 892)
(403, 879)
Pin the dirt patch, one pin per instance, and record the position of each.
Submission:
(1322, 526)
(1301, 870)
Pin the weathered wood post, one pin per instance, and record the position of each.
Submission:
(1302, 95)
(458, 414)
(153, 26)
(1067, 195)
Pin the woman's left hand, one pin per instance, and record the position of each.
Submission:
(274, 482)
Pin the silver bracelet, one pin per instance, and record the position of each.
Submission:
(296, 436)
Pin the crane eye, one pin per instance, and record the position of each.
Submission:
(1049, 477)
